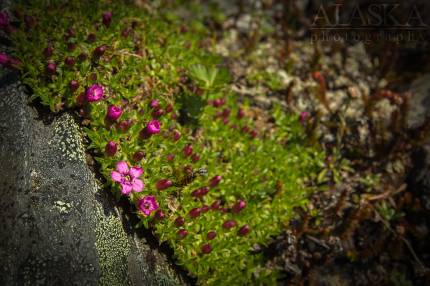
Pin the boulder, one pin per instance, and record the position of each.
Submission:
(58, 225)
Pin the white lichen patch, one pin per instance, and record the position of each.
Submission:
(68, 138)
(63, 207)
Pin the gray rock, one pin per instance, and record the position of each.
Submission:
(57, 225)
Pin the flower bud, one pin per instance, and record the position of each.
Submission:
(226, 112)
(195, 212)
(170, 157)
(48, 51)
(113, 113)
(304, 116)
(107, 18)
(211, 235)
(71, 46)
(70, 61)
(125, 125)
(238, 206)
(240, 113)
(200, 192)
(204, 209)
(91, 38)
(30, 21)
(169, 108)
(216, 205)
(206, 248)
(157, 113)
(179, 221)
(228, 224)
(99, 51)
(244, 230)
(159, 215)
(82, 57)
(163, 184)
(138, 155)
(126, 32)
(111, 148)
(188, 150)
(182, 233)
(51, 68)
(73, 85)
(176, 135)
(253, 133)
(195, 158)
(154, 103)
(215, 181)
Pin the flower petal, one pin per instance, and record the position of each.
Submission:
(136, 172)
(126, 189)
(122, 167)
(138, 185)
(117, 177)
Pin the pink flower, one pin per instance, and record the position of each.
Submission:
(153, 127)
(114, 112)
(107, 18)
(128, 178)
(304, 117)
(94, 93)
(147, 205)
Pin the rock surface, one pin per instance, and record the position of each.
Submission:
(58, 227)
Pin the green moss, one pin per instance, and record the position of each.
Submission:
(268, 165)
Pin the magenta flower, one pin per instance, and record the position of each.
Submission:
(94, 93)
(304, 117)
(107, 18)
(163, 184)
(147, 205)
(128, 178)
(111, 148)
(113, 113)
(153, 127)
